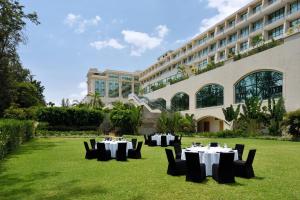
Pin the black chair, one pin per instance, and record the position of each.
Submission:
(121, 152)
(240, 149)
(195, 171)
(134, 141)
(90, 153)
(244, 168)
(93, 143)
(213, 144)
(152, 143)
(224, 172)
(176, 140)
(178, 150)
(175, 167)
(146, 140)
(179, 139)
(198, 144)
(102, 153)
(163, 141)
(135, 153)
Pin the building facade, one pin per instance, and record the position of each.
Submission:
(112, 85)
(253, 52)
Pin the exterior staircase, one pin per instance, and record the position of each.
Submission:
(150, 114)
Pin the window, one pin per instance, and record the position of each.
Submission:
(222, 43)
(160, 103)
(243, 46)
(213, 47)
(295, 6)
(243, 16)
(256, 9)
(257, 25)
(294, 23)
(271, 1)
(231, 23)
(232, 50)
(180, 102)
(209, 96)
(222, 55)
(244, 32)
(278, 31)
(202, 64)
(100, 86)
(126, 77)
(113, 89)
(221, 29)
(113, 76)
(278, 14)
(232, 38)
(263, 84)
(126, 89)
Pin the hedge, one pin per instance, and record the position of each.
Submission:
(13, 133)
(61, 118)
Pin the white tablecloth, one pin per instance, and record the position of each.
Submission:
(157, 138)
(113, 147)
(209, 156)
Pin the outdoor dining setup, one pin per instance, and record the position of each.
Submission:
(221, 162)
(117, 148)
(162, 139)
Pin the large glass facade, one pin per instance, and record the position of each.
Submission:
(262, 84)
(278, 14)
(126, 89)
(180, 102)
(209, 96)
(113, 89)
(100, 87)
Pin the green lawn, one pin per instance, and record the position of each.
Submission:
(55, 168)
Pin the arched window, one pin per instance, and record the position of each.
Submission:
(209, 96)
(160, 103)
(262, 84)
(180, 102)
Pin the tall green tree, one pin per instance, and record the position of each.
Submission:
(231, 115)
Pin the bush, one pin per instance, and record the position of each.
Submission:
(292, 123)
(61, 118)
(21, 113)
(13, 133)
(46, 133)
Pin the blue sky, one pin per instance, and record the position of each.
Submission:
(75, 35)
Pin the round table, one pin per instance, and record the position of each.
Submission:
(157, 138)
(208, 155)
(113, 146)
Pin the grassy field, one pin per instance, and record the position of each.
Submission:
(55, 168)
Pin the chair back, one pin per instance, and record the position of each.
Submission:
(122, 148)
(134, 141)
(86, 145)
(214, 144)
(176, 139)
(139, 146)
(170, 156)
(226, 162)
(101, 147)
(192, 162)
(93, 143)
(240, 149)
(250, 157)
(163, 141)
(180, 138)
(177, 148)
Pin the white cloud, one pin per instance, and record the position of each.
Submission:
(224, 8)
(79, 23)
(113, 43)
(81, 92)
(141, 42)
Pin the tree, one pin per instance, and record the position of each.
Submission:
(27, 95)
(276, 112)
(96, 101)
(162, 123)
(231, 115)
(65, 103)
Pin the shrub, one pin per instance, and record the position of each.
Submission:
(13, 133)
(62, 118)
(292, 123)
(21, 113)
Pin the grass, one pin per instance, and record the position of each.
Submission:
(55, 168)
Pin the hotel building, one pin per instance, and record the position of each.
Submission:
(253, 52)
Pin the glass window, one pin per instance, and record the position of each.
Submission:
(213, 47)
(243, 16)
(126, 89)
(100, 87)
(231, 23)
(278, 14)
(113, 89)
(209, 96)
(257, 25)
(180, 102)
(257, 8)
(222, 55)
(295, 6)
(126, 77)
(232, 50)
(295, 22)
(272, 1)
(263, 84)
(113, 76)
(160, 103)
(243, 46)
(202, 64)
(278, 31)
(222, 43)
(244, 32)
(232, 38)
